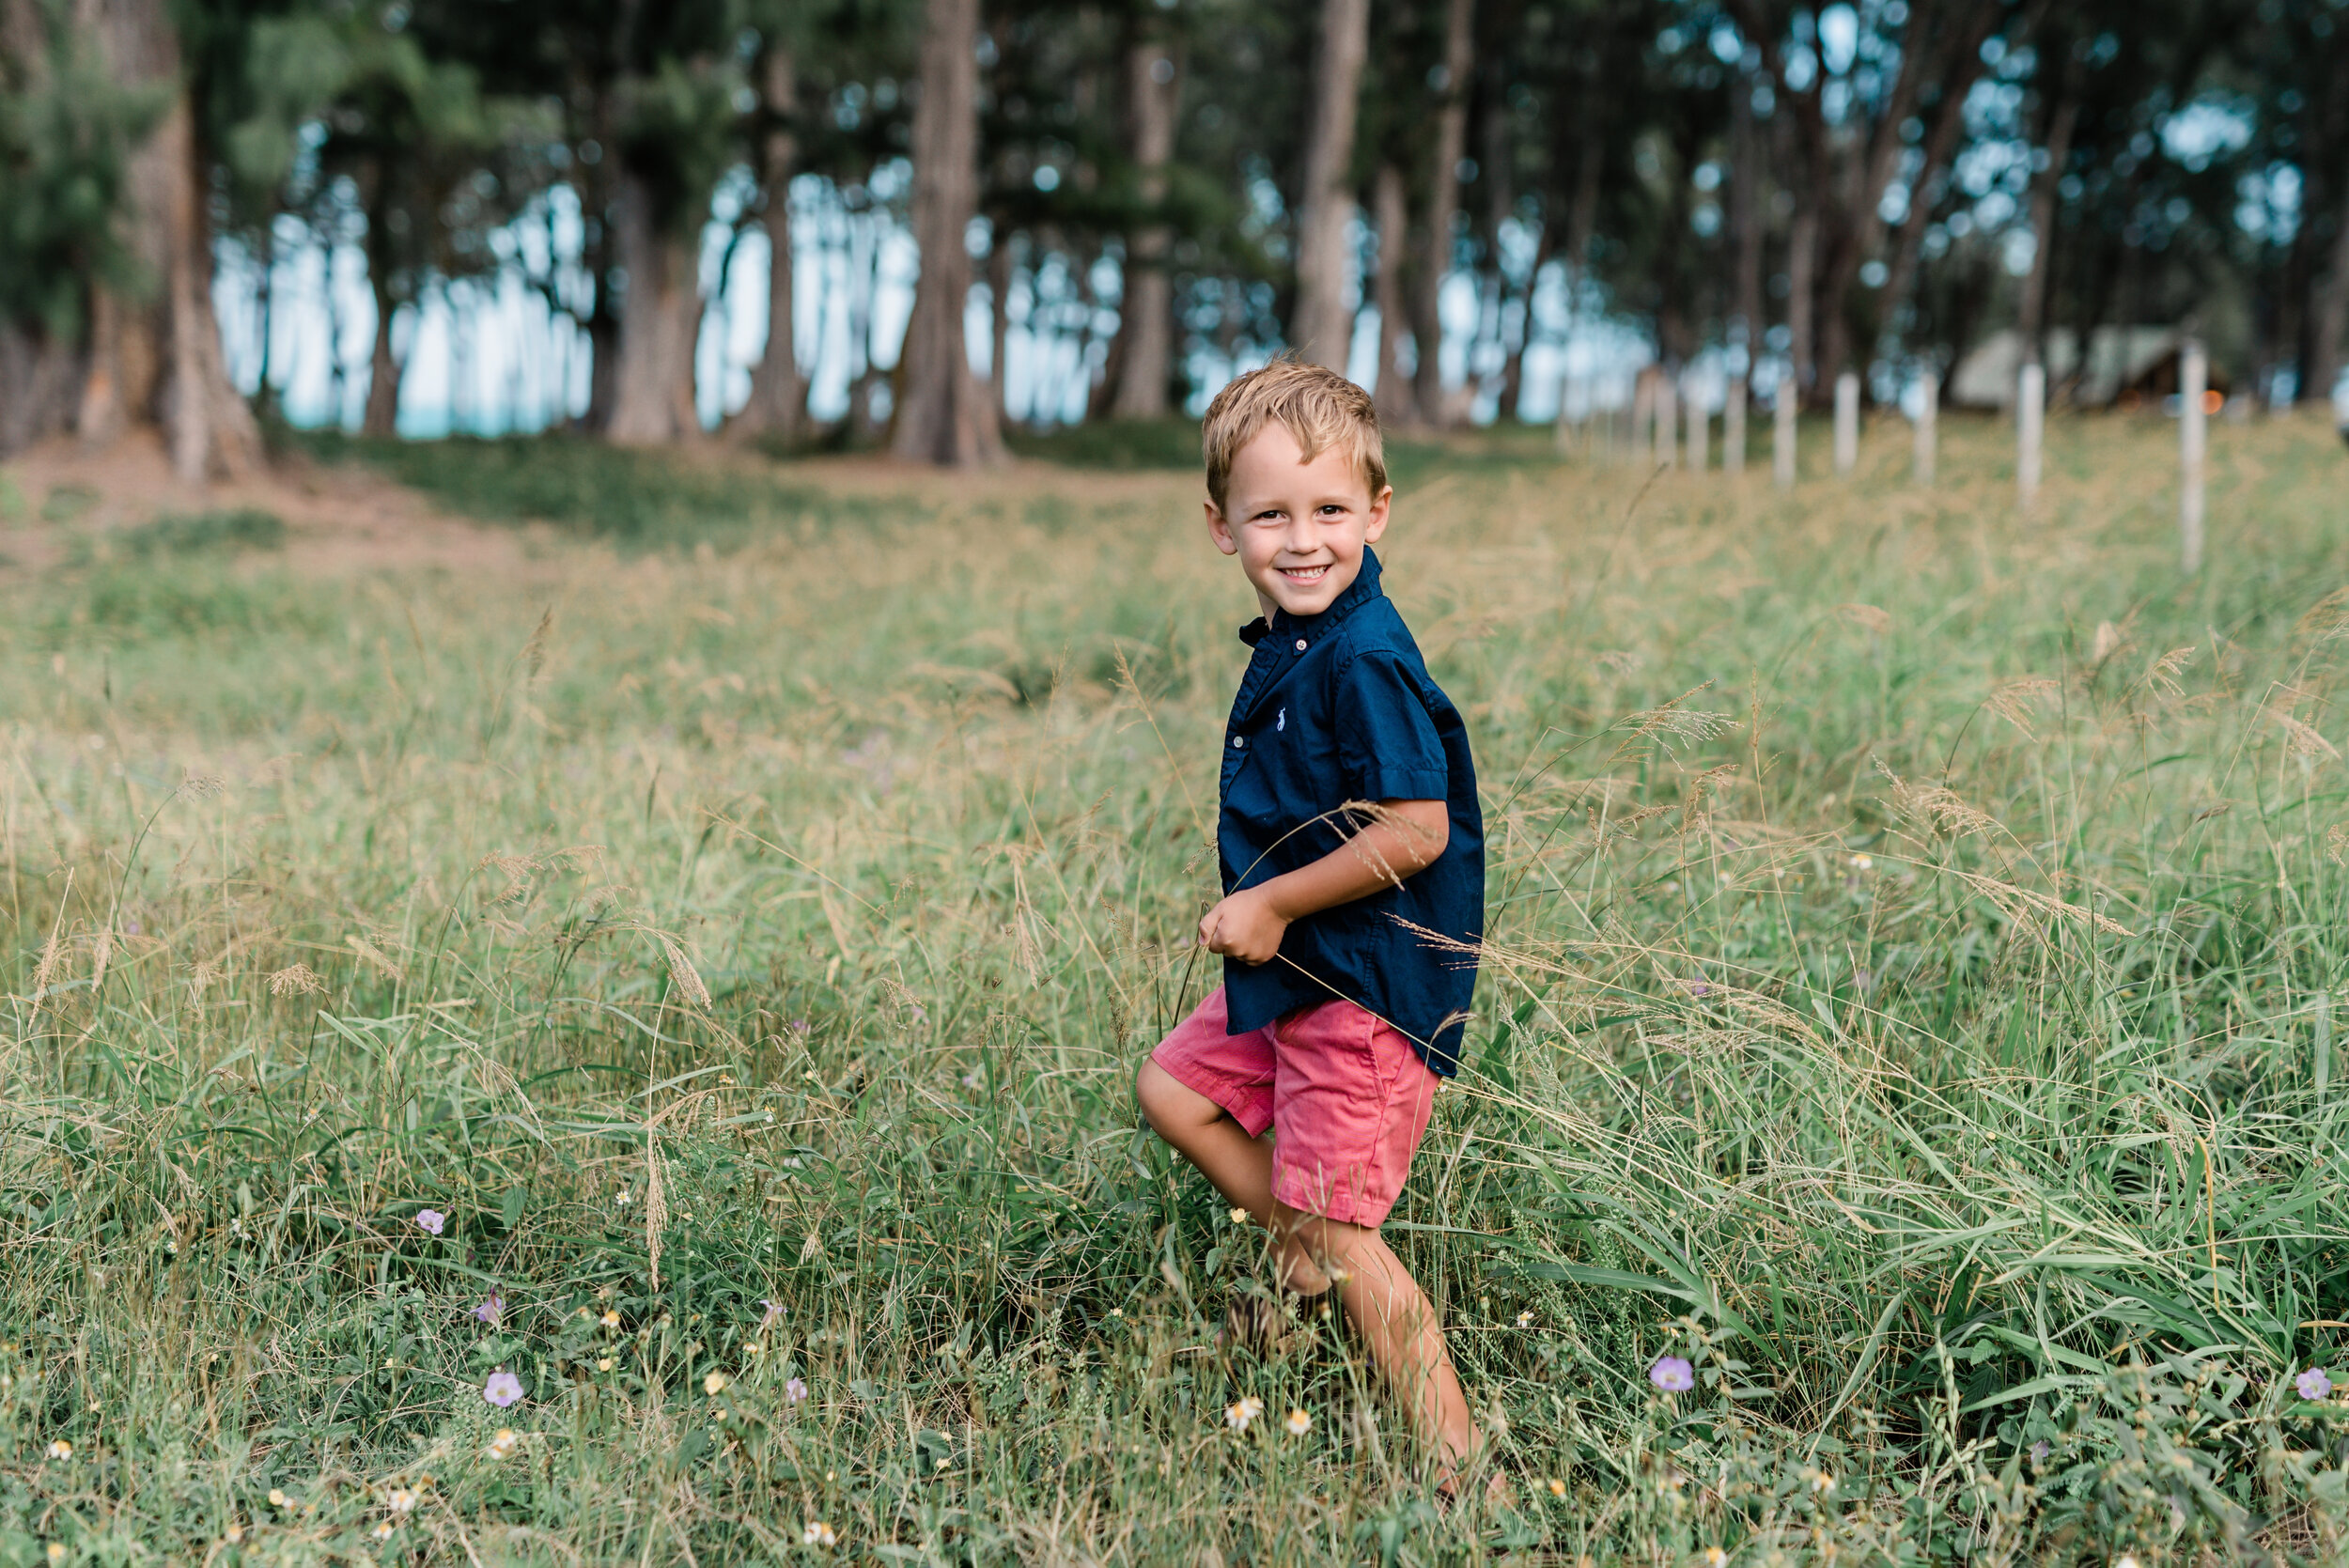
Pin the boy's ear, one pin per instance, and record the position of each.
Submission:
(1219, 530)
(1377, 523)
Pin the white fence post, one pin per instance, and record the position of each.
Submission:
(1667, 424)
(1846, 422)
(1928, 416)
(1782, 432)
(1698, 419)
(2031, 420)
(1734, 426)
(2193, 435)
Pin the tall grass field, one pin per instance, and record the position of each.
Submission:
(622, 1054)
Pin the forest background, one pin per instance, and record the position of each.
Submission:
(526, 215)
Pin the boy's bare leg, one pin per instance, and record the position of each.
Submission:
(1239, 1166)
(1387, 1309)
(1397, 1322)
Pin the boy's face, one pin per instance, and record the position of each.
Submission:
(1297, 527)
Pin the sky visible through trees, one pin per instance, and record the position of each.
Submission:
(427, 216)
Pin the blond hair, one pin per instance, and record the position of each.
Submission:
(1319, 408)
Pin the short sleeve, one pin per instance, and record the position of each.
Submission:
(1387, 740)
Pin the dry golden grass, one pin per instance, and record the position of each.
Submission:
(1915, 937)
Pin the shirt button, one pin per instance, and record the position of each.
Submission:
(1301, 644)
(1238, 741)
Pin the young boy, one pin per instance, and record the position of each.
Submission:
(1349, 833)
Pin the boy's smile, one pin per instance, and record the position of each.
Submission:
(1298, 528)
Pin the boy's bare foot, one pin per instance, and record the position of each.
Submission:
(1499, 1493)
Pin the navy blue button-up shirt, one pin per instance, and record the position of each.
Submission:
(1338, 707)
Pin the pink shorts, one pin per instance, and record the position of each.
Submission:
(1347, 1095)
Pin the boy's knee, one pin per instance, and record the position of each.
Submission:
(1160, 1097)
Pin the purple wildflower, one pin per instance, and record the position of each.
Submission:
(795, 1390)
(1673, 1374)
(774, 1313)
(501, 1389)
(432, 1220)
(491, 1311)
(2314, 1384)
(2039, 1452)
(1696, 987)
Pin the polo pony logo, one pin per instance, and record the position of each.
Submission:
(1283, 722)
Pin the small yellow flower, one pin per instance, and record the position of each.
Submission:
(61, 1450)
(1557, 1487)
(503, 1444)
(384, 1530)
(1298, 1422)
(1525, 1320)
(276, 1497)
(1239, 1216)
(1713, 1557)
(818, 1533)
(1821, 1481)
(714, 1385)
(1862, 862)
(1241, 1411)
(611, 1318)
(401, 1499)
(2125, 1560)
(603, 1363)
(56, 1551)
(234, 1533)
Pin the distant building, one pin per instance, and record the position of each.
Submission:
(2125, 366)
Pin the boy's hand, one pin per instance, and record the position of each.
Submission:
(1244, 926)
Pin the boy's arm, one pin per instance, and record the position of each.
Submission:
(1406, 836)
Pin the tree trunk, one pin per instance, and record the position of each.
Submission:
(2032, 315)
(2329, 294)
(1443, 205)
(383, 411)
(1512, 362)
(1802, 241)
(2331, 313)
(1940, 142)
(41, 377)
(1146, 313)
(653, 394)
(941, 416)
(1745, 220)
(158, 361)
(778, 400)
(1323, 329)
(999, 259)
(1398, 410)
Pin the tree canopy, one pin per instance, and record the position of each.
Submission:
(1159, 190)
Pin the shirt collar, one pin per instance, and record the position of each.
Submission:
(1358, 592)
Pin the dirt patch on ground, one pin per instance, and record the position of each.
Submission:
(339, 517)
(58, 500)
